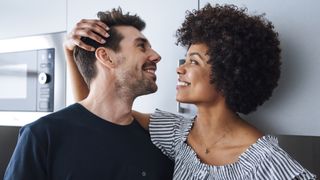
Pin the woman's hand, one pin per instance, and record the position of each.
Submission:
(89, 28)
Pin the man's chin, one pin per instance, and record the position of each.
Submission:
(148, 90)
(153, 89)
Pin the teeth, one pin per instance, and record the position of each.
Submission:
(181, 83)
(151, 71)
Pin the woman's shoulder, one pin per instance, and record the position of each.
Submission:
(176, 122)
(160, 114)
(268, 157)
(266, 148)
(169, 117)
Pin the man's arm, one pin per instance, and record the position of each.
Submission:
(29, 159)
(84, 28)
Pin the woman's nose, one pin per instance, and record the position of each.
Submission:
(181, 69)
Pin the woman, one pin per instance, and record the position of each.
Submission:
(232, 66)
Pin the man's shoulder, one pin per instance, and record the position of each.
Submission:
(72, 110)
(57, 118)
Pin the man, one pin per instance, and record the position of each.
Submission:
(98, 138)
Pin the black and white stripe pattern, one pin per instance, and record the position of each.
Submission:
(263, 160)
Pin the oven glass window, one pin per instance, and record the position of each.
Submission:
(13, 78)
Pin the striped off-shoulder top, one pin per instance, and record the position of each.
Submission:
(262, 160)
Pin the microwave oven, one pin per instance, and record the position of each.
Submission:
(32, 77)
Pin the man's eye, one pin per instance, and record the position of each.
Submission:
(141, 45)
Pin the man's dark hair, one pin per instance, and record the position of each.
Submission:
(244, 53)
(85, 60)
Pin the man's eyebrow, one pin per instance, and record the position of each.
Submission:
(140, 39)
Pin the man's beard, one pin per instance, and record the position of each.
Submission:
(131, 86)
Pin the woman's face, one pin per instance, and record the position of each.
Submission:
(194, 77)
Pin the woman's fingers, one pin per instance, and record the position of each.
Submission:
(88, 28)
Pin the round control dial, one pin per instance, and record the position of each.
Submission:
(43, 78)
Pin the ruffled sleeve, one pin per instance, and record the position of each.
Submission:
(280, 165)
(163, 129)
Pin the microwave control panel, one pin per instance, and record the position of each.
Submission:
(45, 85)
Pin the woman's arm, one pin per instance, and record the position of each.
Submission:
(84, 28)
(79, 87)
(142, 118)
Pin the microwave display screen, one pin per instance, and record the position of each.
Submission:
(13, 78)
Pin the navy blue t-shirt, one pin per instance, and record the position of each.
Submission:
(75, 144)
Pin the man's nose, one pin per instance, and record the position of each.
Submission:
(154, 56)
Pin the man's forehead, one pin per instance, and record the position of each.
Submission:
(131, 34)
(142, 40)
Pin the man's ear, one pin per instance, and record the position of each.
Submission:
(104, 55)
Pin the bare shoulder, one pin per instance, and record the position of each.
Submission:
(247, 134)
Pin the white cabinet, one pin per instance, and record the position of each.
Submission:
(162, 19)
(22, 18)
(294, 107)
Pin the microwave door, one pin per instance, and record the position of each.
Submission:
(18, 81)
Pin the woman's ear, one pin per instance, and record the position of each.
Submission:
(103, 55)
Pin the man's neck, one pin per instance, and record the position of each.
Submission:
(108, 106)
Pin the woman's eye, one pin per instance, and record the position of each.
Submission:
(193, 61)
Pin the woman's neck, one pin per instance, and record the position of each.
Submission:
(215, 119)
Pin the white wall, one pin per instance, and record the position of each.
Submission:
(31, 17)
(294, 107)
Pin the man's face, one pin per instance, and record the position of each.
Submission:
(136, 63)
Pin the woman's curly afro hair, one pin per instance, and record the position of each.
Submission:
(244, 53)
